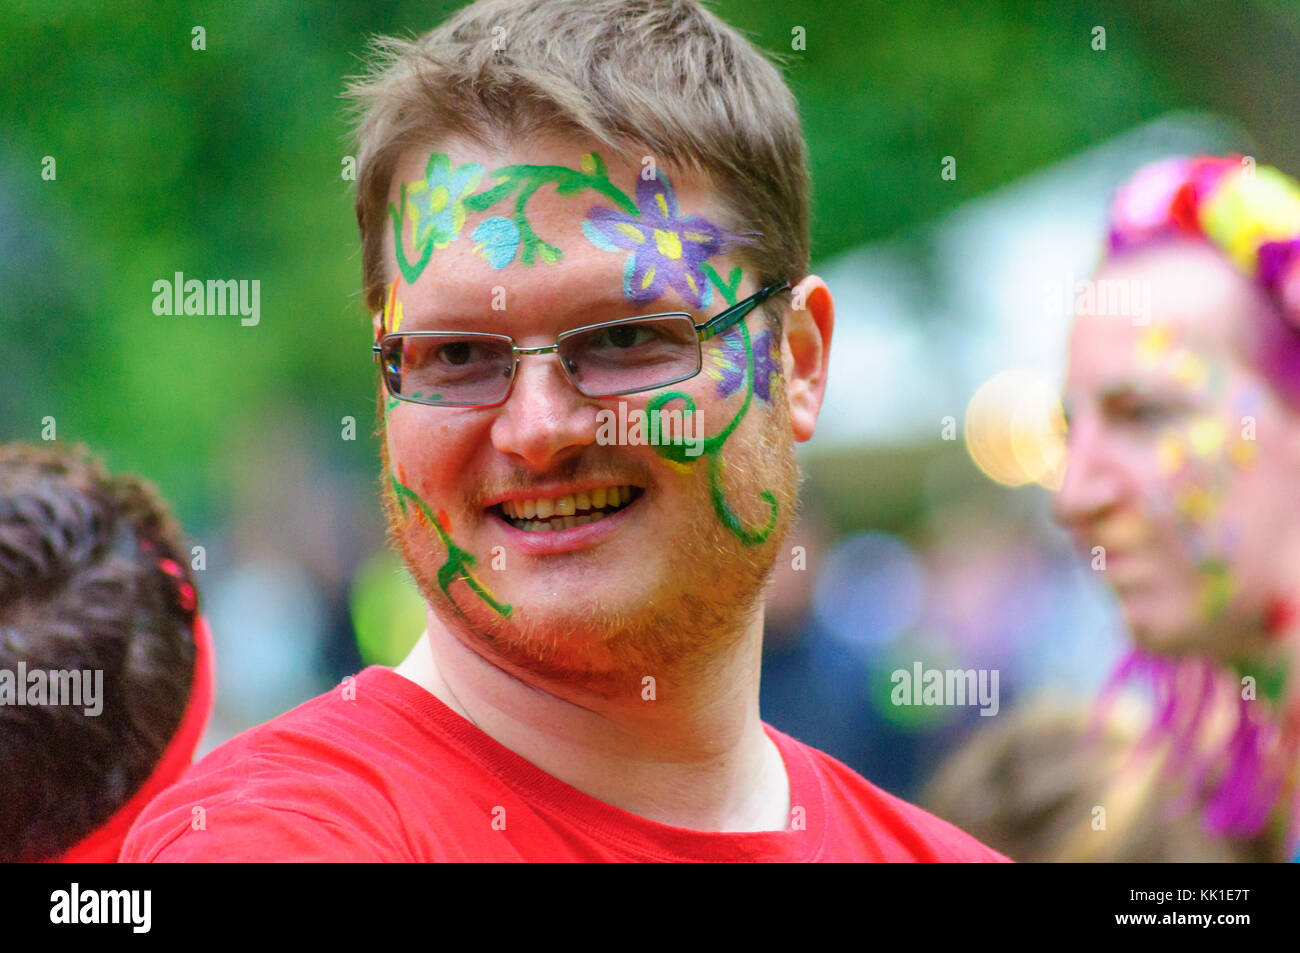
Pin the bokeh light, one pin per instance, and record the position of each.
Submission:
(1015, 429)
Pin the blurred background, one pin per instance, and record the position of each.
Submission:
(962, 154)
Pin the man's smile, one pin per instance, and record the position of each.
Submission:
(541, 514)
(560, 518)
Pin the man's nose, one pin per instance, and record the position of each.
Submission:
(545, 416)
(1093, 480)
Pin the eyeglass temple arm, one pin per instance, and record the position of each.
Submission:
(721, 322)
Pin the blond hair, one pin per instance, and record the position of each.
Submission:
(663, 77)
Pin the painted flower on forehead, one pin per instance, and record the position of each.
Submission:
(437, 203)
(667, 248)
(727, 364)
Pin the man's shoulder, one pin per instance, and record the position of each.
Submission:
(895, 827)
(330, 728)
(302, 784)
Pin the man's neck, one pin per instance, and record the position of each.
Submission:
(694, 757)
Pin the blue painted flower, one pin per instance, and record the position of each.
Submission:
(497, 240)
(437, 202)
(667, 249)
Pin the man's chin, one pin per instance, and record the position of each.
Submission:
(1169, 631)
(598, 649)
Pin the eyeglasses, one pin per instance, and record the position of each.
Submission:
(477, 369)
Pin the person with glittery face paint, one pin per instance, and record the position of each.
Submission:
(572, 211)
(1182, 483)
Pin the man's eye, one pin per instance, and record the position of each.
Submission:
(623, 336)
(460, 352)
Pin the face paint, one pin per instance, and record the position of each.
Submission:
(713, 445)
(1194, 460)
(436, 207)
(390, 322)
(1216, 588)
(458, 560)
(668, 250)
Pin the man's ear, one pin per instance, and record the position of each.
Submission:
(806, 352)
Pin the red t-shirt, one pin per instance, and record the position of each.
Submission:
(395, 775)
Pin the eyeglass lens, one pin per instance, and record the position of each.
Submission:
(623, 357)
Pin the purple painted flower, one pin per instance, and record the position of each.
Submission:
(667, 249)
(728, 368)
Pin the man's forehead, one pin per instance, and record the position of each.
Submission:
(550, 159)
(548, 226)
(694, 190)
(570, 292)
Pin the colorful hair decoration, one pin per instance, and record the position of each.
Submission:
(1251, 213)
(185, 595)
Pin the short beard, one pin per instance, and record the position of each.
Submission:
(677, 634)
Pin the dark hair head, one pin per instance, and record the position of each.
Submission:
(86, 585)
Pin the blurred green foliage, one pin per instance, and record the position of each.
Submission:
(226, 162)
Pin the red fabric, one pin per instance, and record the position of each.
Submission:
(395, 775)
(104, 844)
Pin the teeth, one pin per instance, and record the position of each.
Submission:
(544, 515)
(566, 522)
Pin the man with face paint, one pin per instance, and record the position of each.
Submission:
(584, 230)
(1183, 477)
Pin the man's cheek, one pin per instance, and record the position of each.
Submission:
(740, 371)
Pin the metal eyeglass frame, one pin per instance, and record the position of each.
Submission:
(716, 325)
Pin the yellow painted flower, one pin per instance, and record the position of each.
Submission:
(1172, 453)
(1189, 369)
(1206, 436)
(1153, 344)
(1195, 503)
(1243, 453)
